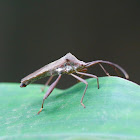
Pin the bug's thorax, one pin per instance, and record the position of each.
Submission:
(69, 67)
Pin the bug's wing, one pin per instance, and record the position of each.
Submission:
(37, 73)
(47, 70)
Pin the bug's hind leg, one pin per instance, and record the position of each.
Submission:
(52, 86)
(46, 84)
(82, 80)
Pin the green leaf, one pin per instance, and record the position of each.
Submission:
(112, 112)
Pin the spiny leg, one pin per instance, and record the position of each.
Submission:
(90, 75)
(52, 86)
(47, 83)
(82, 80)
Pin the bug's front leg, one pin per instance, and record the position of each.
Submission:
(115, 66)
(52, 86)
(104, 70)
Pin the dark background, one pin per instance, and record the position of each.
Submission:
(35, 33)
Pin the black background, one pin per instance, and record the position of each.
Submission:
(35, 33)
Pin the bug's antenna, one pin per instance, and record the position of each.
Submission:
(110, 63)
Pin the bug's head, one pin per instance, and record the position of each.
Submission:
(81, 65)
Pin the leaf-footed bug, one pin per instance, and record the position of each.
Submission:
(68, 64)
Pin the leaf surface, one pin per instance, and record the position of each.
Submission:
(112, 112)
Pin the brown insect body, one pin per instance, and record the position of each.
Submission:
(65, 65)
(68, 64)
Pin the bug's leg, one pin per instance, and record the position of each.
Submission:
(116, 71)
(47, 83)
(82, 80)
(104, 69)
(83, 70)
(52, 86)
(115, 66)
(90, 75)
(107, 72)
